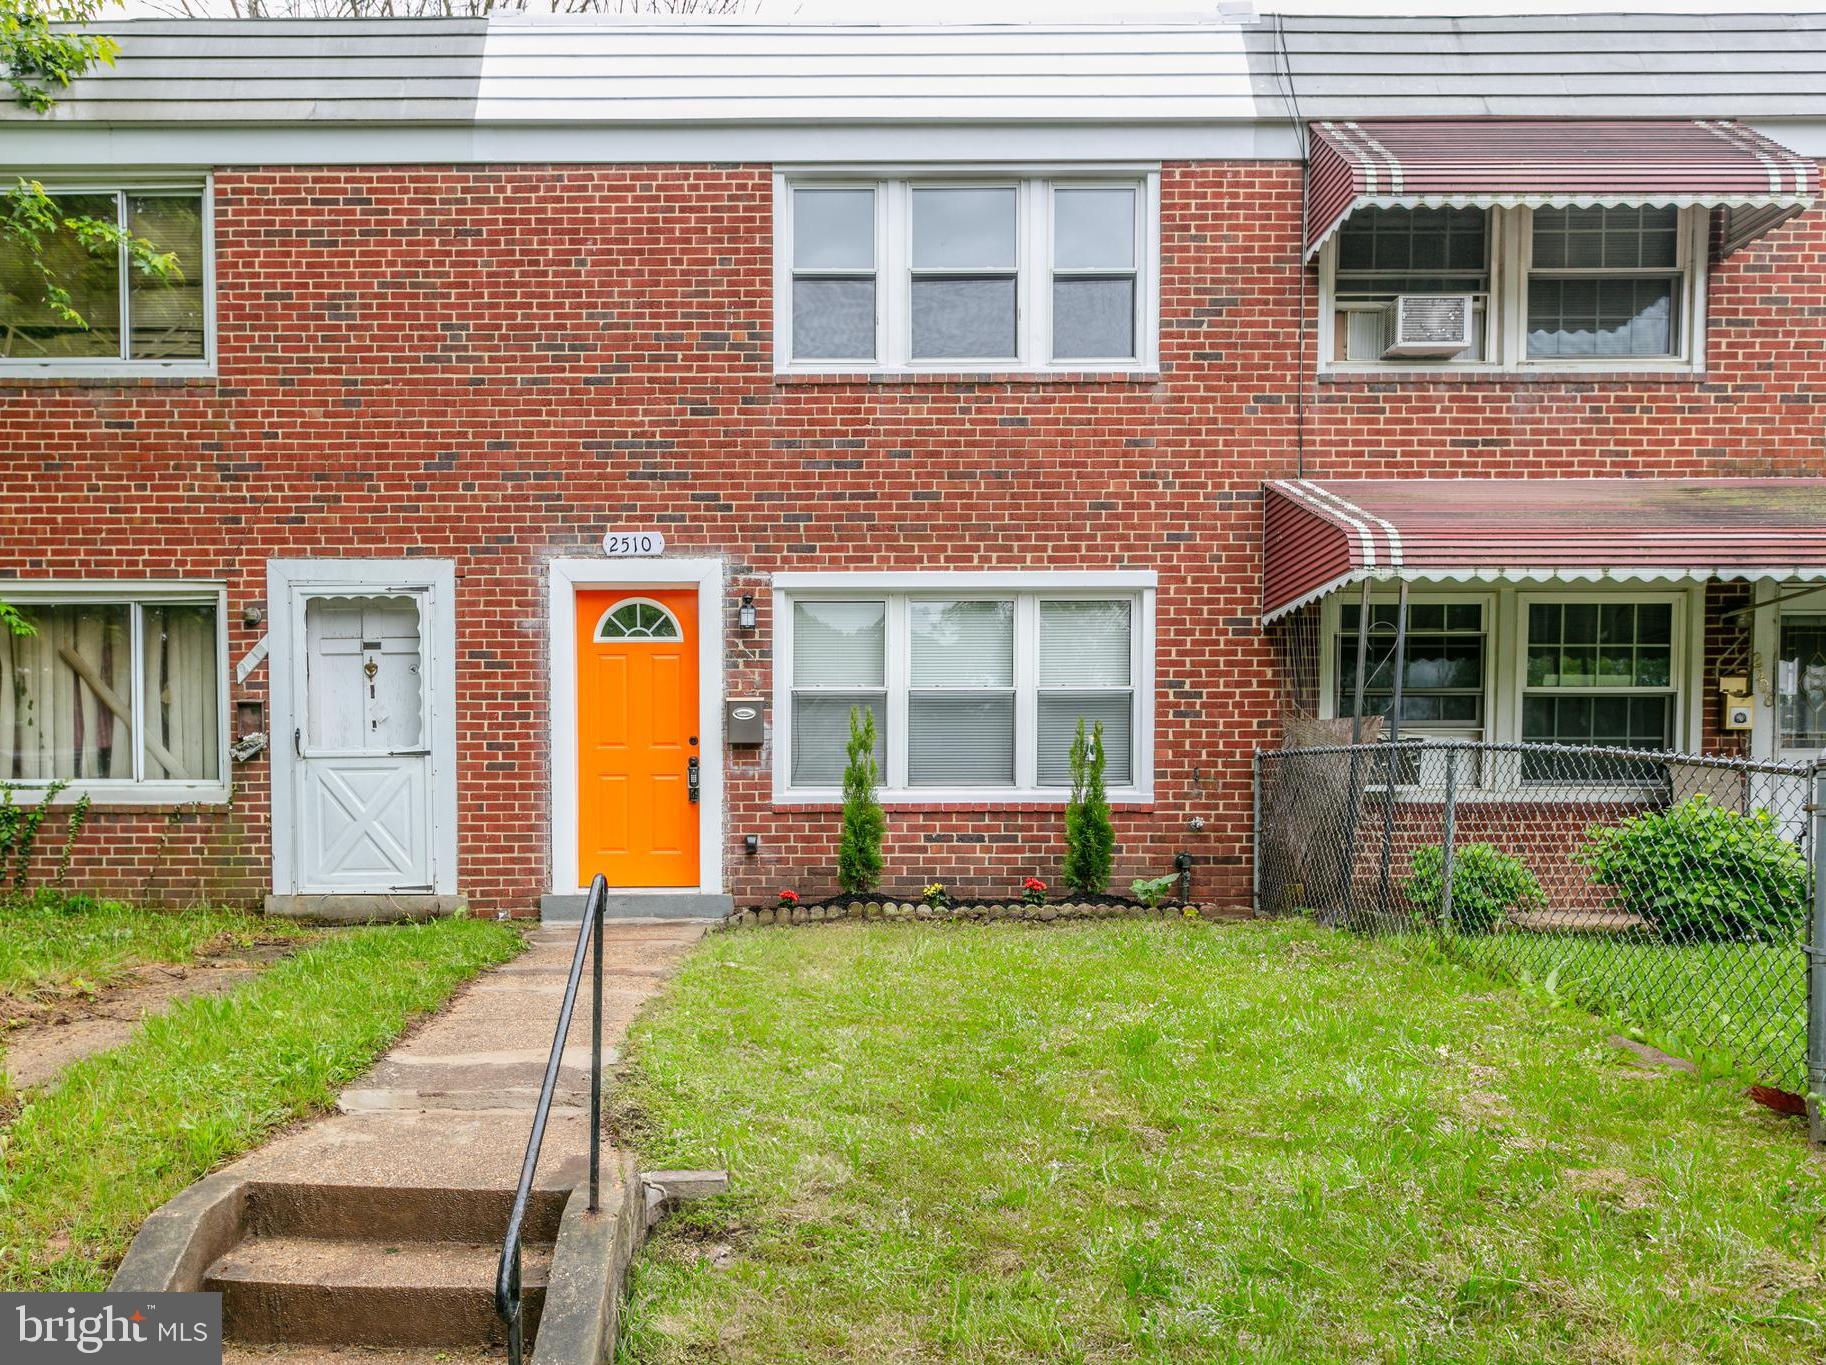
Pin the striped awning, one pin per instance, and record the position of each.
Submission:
(1754, 183)
(1319, 537)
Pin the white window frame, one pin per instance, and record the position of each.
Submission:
(1027, 589)
(1034, 186)
(135, 790)
(119, 367)
(1332, 624)
(1680, 674)
(1506, 659)
(1511, 240)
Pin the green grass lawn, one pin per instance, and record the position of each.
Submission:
(123, 1131)
(54, 946)
(1161, 1141)
(1741, 1004)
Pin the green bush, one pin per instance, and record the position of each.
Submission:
(864, 823)
(1488, 885)
(1699, 871)
(1090, 838)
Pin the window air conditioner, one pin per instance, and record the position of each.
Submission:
(1418, 325)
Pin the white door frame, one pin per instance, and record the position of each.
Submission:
(567, 576)
(1772, 598)
(435, 580)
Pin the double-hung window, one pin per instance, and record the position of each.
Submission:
(1604, 283)
(117, 692)
(960, 719)
(966, 273)
(975, 690)
(76, 306)
(1598, 673)
(1443, 684)
(1383, 253)
(1617, 287)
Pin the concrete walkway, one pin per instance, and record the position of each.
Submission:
(452, 1103)
(421, 1159)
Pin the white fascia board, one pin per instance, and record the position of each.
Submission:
(943, 580)
(39, 148)
(1803, 137)
(36, 149)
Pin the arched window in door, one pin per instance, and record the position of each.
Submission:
(637, 618)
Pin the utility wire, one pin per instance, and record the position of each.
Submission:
(1284, 71)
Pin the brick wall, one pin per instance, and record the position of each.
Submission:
(495, 365)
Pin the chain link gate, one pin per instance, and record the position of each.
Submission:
(1677, 890)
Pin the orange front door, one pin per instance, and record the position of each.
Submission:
(637, 736)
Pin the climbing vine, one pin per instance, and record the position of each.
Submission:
(19, 829)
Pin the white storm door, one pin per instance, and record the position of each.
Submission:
(363, 757)
(1800, 679)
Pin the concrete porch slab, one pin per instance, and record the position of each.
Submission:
(641, 905)
(379, 909)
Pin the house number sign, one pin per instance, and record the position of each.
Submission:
(633, 543)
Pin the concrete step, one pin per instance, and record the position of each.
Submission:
(645, 906)
(310, 1291)
(397, 1212)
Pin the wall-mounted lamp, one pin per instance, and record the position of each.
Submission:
(751, 844)
(745, 616)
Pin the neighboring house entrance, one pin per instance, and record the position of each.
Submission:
(1800, 680)
(363, 730)
(1788, 683)
(640, 756)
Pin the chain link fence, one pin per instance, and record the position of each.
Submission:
(1673, 889)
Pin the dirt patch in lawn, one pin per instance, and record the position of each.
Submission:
(39, 1038)
(71, 1029)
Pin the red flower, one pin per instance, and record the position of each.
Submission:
(1033, 884)
(789, 898)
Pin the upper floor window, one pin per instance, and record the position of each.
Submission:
(79, 305)
(1580, 288)
(999, 273)
(1384, 253)
(1604, 282)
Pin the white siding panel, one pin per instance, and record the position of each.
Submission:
(509, 72)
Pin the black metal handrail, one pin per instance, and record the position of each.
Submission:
(507, 1276)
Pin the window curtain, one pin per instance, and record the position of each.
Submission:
(183, 730)
(66, 694)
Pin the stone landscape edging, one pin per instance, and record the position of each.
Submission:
(899, 910)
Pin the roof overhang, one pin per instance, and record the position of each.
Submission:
(1320, 537)
(1755, 182)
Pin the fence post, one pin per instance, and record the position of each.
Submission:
(1394, 738)
(1448, 837)
(1255, 833)
(1816, 962)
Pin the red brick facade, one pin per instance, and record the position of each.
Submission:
(495, 365)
